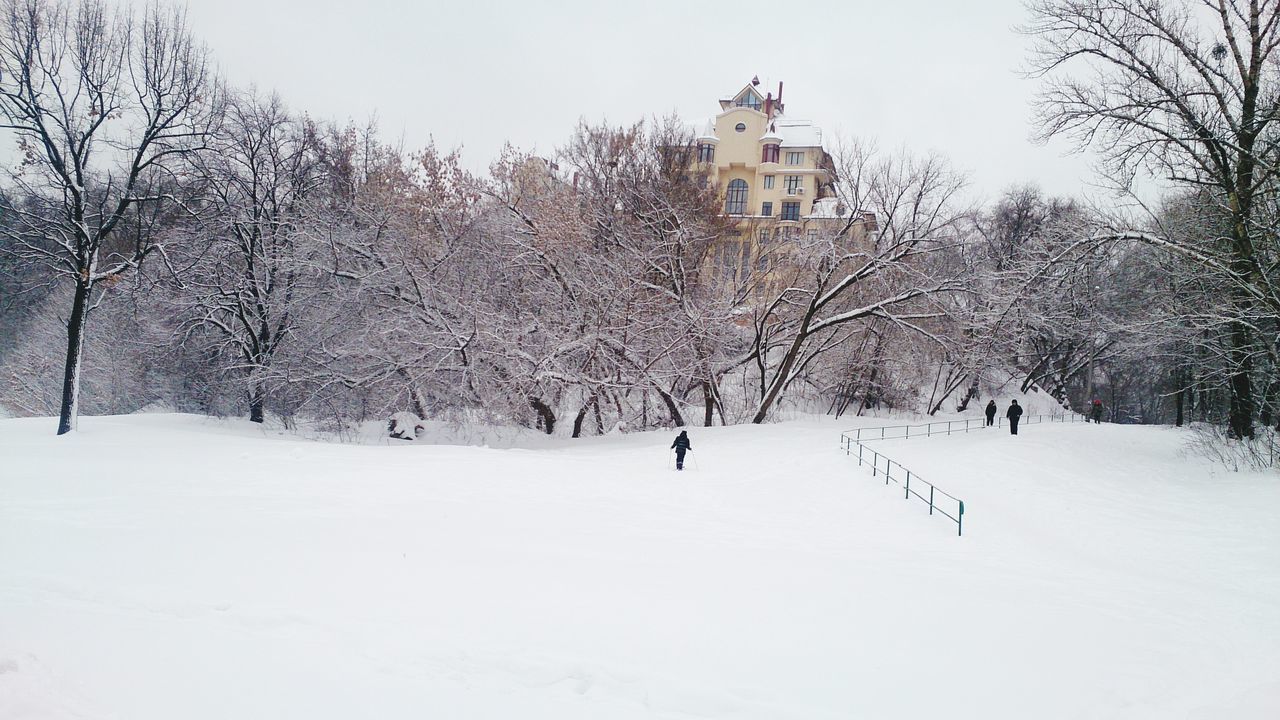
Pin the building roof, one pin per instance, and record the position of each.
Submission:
(771, 134)
(798, 133)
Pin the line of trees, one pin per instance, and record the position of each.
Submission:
(169, 239)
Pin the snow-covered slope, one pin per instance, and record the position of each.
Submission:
(167, 566)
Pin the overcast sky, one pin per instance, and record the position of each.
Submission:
(936, 75)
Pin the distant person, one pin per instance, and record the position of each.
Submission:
(682, 446)
(1095, 411)
(1014, 413)
(991, 413)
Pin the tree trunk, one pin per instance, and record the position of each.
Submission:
(1264, 412)
(1240, 387)
(580, 417)
(70, 411)
(709, 405)
(676, 418)
(1177, 407)
(416, 401)
(969, 395)
(784, 370)
(257, 398)
(546, 418)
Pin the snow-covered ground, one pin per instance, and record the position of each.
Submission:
(162, 566)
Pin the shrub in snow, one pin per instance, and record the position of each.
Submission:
(405, 426)
(1261, 452)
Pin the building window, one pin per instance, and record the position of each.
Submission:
(766, 209)
(762, 238)
(795, 158)
(768, 182)
(735, 201)
(790, 210)
(813, 235)
(794, 183)
(770, 154)
(706, 152)
(740, 127)
(748, 99)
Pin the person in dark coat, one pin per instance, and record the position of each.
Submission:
(681, 445)
(1095, 412)
(991, 413)
(1014, 413)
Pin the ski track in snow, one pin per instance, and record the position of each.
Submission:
(165, 566)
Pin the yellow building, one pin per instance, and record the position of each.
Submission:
(773, 172)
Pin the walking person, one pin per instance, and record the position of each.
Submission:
(1014, 413)
(991, 413)
(1095, 411)
(681, 446)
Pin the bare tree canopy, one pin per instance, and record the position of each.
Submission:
(1186, 90)
(103, 104)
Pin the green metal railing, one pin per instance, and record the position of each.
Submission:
(947, 427)
(944, 503)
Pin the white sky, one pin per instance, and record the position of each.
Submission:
(929, 74)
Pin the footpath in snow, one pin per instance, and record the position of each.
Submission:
(164, 566)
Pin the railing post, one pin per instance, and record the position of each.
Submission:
(881, 433)
(908, 431)
(948, 427)
(907, 494)
(859, 454)
(960, 519)
(930, 499)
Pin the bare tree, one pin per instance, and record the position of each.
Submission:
(1184, 89)
(874, 263)
(248, 263)
(103, 104)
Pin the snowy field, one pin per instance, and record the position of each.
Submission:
(158, 567)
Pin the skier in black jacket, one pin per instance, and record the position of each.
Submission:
(681, 445)
(991, 413)
(1014, 413)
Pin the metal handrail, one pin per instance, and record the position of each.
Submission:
(949, 426)
(847, 441)
(934, 491)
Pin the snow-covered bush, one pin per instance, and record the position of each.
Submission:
(1259, 453)
(404, 426)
